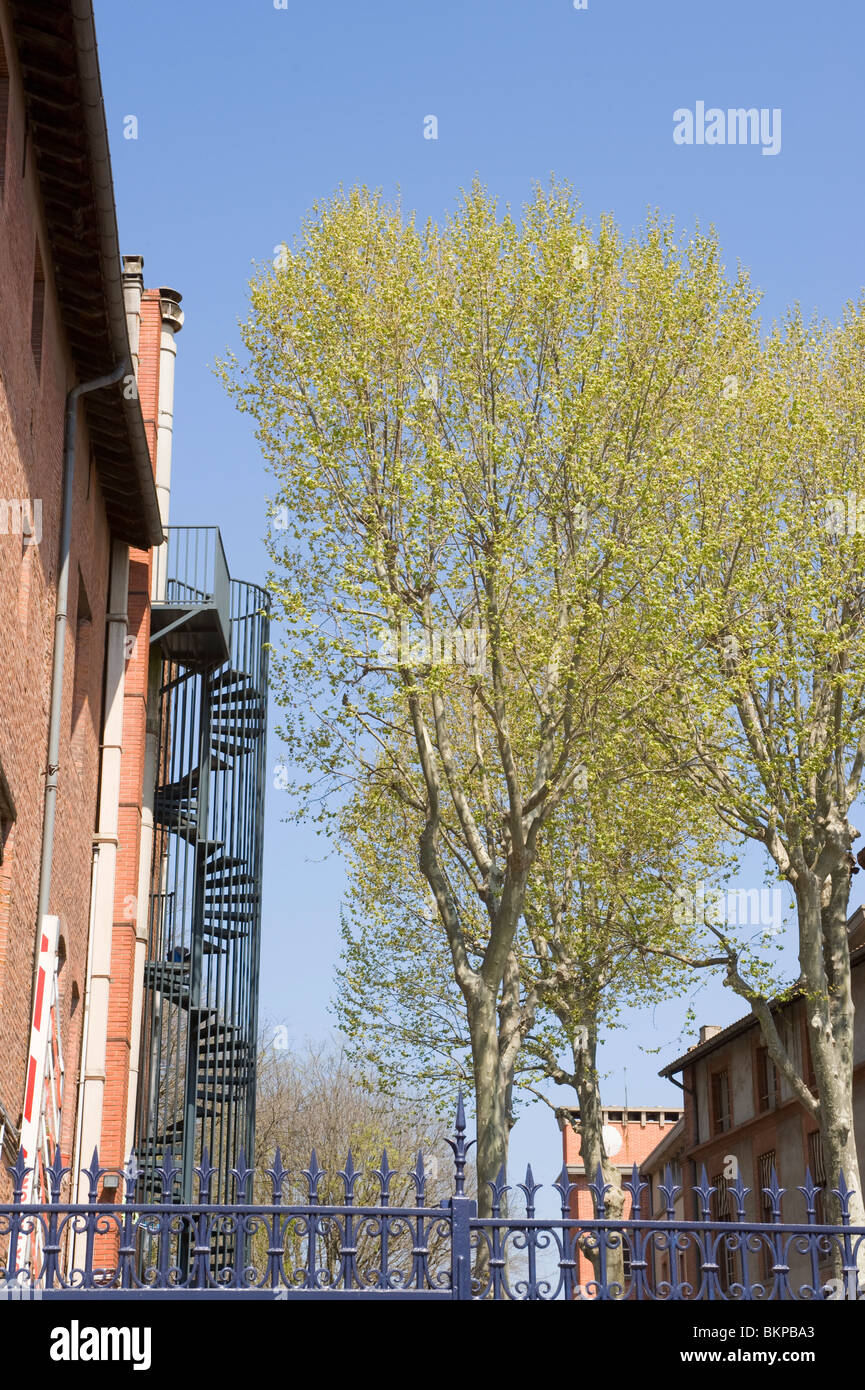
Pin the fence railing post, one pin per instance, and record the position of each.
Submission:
(463, 1209)
(320, 1247)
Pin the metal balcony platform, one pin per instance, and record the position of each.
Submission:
(190, 603)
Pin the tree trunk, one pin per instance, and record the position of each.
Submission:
(491, 1090)
(594, 1154)
(830, 1032)
(824, 955)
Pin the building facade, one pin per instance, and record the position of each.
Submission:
(77, 492)
(630, 1136)
(133, 680)
(738, 1121)
(740, 1117)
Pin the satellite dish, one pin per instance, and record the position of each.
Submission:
(612, 1140)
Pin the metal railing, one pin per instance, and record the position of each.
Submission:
(190, 568)
(283, 1242)
(200, 1010)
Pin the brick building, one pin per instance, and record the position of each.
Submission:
(79, 495)
(133, 678)
(738, 1119)
(741, 1119)
(737, 1107)
(630, 1136)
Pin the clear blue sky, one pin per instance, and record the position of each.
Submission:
(248, 113)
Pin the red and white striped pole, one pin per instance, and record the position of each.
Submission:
(37, 1056)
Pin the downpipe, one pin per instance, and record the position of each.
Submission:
(61, 623)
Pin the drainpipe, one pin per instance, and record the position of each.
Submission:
(61, 622)
(172, 322)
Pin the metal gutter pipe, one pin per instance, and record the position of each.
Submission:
(61, 622)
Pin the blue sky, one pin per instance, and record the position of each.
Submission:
(247, 113)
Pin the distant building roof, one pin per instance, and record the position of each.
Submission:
(856, 934)
(665, 1149)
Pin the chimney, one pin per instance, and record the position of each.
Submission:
(709, 1030)
(172, 322)
(133, 288)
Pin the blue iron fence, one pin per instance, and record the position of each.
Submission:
(280, 1248)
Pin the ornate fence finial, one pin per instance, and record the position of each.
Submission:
(241, 1174)
(529, 1188)
(565, 1187)
(843, 1193)
(599, 1189)
(93, 1174)
(809, 1190)
(499, 1189)
(774, 1192)
(636, 1187)
(204, 1173)
(56, 1173)
(313, 1175)
(349, 1175)
(669, 1191)
(460, 1147)
(18, 1173)
(384, 1173)
(277, 1174)
(167, 1174)
(705, 1192)
(740, 1192)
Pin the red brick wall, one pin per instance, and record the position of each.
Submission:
(31, 462)
(638, 1141)
(120, 1004)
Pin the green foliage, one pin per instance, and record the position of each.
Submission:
(574, 446)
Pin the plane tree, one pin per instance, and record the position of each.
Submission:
(604, 886)
(473, 429)
(766, 578)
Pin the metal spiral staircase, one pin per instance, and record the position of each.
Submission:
(200, 1013)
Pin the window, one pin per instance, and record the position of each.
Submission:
(7, 812)
(722, 1204)
(37, 315)
(4, 114)
(767, 1081)
(765, 1165)
(82, 711)
(817, 1167)
(721, 1114)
